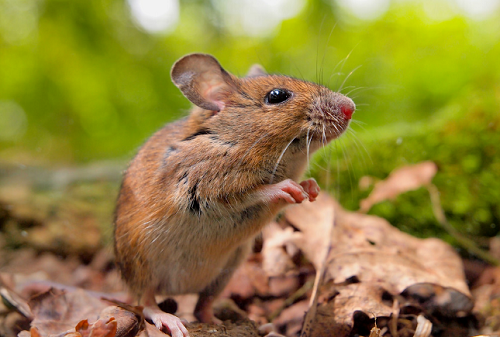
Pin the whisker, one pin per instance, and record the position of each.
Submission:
(347, 77)
(307, 148)
(360, 146)
(324, 52)
(279, 159)
(349, 87)
(343, 61)
(358, 89)
(358, 123)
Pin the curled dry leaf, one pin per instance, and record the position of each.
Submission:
(401, 180)
(12, 300)
(127, 322)
(100, 328)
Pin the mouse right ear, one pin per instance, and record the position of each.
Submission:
(256, 70)
(202, 80)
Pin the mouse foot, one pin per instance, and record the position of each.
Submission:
(207, 317)
(204, 311)
(162, 319)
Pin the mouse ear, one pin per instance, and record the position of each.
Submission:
(202, 80)
(256, 70)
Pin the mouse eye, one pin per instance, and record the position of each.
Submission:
(276, 96)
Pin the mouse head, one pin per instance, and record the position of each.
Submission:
(260, 110)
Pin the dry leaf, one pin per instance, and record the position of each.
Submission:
(369, 248)
(103, 328)
(401, 180)
(315, 222)
(276, 261)
(13, 300)
(292, 317)
(56, 311)
(127, 322)
(336, 317)
(382, 261)
(249, 279)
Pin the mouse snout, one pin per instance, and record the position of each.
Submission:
(347, 107)
(344, 104)
(330, 114)
(334, 105)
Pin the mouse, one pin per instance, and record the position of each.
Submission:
(201, 188)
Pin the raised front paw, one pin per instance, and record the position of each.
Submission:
(288, 191)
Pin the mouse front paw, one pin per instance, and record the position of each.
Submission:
(287, 190)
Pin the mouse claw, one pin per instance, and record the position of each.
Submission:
(311, 187)
(162, 319)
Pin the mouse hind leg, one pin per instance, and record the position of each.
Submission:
(204, 311)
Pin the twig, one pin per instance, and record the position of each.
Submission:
(465, 242)
(313, 302)
(290, 300)
(393, 323)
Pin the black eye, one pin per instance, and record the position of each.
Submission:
(276, 96)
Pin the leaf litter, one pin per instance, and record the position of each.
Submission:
(319, 271)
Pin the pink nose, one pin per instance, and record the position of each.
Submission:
(347, 110)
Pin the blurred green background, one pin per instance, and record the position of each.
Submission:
(88, 80)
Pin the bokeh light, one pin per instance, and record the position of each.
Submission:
(479, 9)
(156, 16)
(256, 17)
(365, 9)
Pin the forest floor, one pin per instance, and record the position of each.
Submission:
(319, 270)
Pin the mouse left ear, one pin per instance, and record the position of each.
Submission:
(203, 81)
(256, 70)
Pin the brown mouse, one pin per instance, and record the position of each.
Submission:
(201, 188)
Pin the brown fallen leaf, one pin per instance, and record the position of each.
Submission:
(56, 311)
(402, 180)
(369, 248)
(129, 320)
(248, 280)
(370, 262)
(336, 316)
(12, 300)
(275, 259)
(292, 317)
(315, 222)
